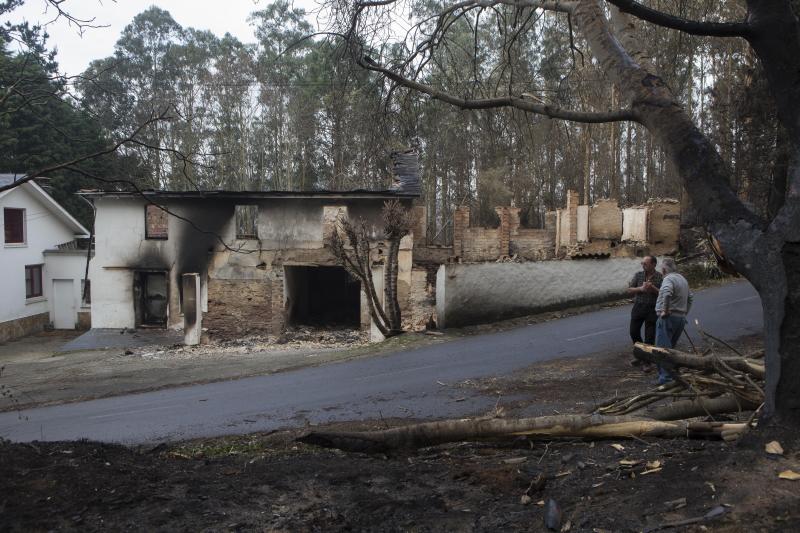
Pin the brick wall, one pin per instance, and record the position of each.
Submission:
(476, 244)
(433, 254)
(481, 244)
(460, 225)
(656, 225)
(238, 307)
(533, 244)
(156, 222)
(665, 223)
(605, 220)
(573, 200)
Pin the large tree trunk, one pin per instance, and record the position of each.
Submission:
(787, 394)
(390, 285)
(750, 244)
(545, 427)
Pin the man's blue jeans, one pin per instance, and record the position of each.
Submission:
(668, 331)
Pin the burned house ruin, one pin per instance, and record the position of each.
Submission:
(252, 263)
(260, 256)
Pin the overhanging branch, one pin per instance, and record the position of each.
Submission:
(692, 27)
(517, 102)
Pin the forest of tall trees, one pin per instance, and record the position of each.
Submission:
(293, 112)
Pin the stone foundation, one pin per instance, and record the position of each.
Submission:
(14, 329)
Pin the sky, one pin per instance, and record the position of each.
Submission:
(75, 52)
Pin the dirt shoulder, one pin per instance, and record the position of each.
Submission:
(36, 374)
(270, 482)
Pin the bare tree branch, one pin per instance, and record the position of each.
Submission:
(131, 139)
(692, 27)
(517, 102)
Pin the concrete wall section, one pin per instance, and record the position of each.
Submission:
(479, 293)
(291, 224)
(583, 223)
(634, 224)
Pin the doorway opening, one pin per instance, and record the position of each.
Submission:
(322, 296)
(150, 298)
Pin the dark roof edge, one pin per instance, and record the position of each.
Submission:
(254, 195)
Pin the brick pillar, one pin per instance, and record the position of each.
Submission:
(504, 231)
(460, 224)
(573, 200)
(278, 318)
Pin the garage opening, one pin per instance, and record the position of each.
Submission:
(322, 297)
(150, 298)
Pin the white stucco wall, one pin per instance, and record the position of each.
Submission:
(479, 293)
(43, 230)
(634, 224)
(119, 244)
(65, 264)
(121, 248)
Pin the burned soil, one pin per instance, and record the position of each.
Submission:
(270, 482)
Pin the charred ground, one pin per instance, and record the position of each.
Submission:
(270, 482)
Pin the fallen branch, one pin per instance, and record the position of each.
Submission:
(588, 426)
(702, 407)
(653, 354)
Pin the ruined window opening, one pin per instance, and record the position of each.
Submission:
(155, 222)
(151, 295)
(247, 222)
(322, 296)
(14, 225)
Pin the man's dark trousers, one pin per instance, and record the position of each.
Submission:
(643, 313)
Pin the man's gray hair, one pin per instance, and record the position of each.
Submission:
(668, 264)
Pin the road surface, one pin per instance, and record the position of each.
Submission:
(403, 384)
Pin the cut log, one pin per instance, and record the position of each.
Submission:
(653, 354)
(702, 407)
(587, 426)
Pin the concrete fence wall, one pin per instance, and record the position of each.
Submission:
(478, 293)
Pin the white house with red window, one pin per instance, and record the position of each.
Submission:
(41, 267)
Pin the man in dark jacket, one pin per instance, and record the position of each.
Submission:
(644, 287)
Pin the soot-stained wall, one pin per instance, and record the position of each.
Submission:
(243, 281)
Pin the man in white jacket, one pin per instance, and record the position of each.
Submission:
(673, 304)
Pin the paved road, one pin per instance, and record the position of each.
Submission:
(405, 384)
